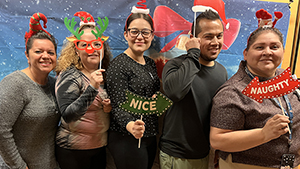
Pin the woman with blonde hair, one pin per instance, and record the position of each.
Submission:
(81, 96)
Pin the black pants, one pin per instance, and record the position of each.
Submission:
(81, 159)
(127, 155)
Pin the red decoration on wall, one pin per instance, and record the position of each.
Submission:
(216, 5)
(172, 22)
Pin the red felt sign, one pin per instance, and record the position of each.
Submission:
(276, 87)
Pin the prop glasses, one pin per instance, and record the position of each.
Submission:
(134, 32)
(96, 44)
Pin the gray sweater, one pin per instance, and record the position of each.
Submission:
(28, 122)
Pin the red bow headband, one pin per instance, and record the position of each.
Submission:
(265, 18)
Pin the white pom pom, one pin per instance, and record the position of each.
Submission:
(89, 23)
(138, 10)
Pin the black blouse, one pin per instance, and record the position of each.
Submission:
(124, 74)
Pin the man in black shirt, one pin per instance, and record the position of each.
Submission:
(190, 81)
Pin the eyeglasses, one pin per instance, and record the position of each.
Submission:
(83, 45)
(146, 33)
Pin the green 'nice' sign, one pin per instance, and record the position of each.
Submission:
(140, 105)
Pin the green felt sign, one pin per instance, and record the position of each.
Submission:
(140, 105)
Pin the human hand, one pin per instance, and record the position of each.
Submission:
(193, 43)
(275, 127)
(136, 128)
(97, 78)
(103, 94)
(106, 105)
(154, 96)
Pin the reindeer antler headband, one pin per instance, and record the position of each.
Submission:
(86, 19)
(35, 26)
(142, 8)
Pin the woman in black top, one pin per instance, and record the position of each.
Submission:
(135, 72)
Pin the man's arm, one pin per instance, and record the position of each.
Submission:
(178, 74)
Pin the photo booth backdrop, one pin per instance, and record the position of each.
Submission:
(15, 15)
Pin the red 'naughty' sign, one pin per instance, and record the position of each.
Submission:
(276, 87)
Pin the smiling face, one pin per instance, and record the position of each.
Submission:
(265, 54)
(138, 44)
(91, 60)
(211, 36)
(41, 56)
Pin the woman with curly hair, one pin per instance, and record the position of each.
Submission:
(81, 96)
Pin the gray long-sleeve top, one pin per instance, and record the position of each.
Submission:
(28, 122)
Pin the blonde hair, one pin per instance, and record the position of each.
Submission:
(68, 56)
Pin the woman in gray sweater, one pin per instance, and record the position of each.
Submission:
(28, 111)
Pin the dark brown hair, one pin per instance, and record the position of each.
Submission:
(40, 35)
(253, 36)
(208, 14)
(134, 16)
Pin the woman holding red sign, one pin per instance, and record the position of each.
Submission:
(249, 134)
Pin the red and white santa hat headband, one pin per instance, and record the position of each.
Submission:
(265, 18)
(142, 8)
(86, 19)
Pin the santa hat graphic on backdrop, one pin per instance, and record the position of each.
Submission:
(215, 5)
